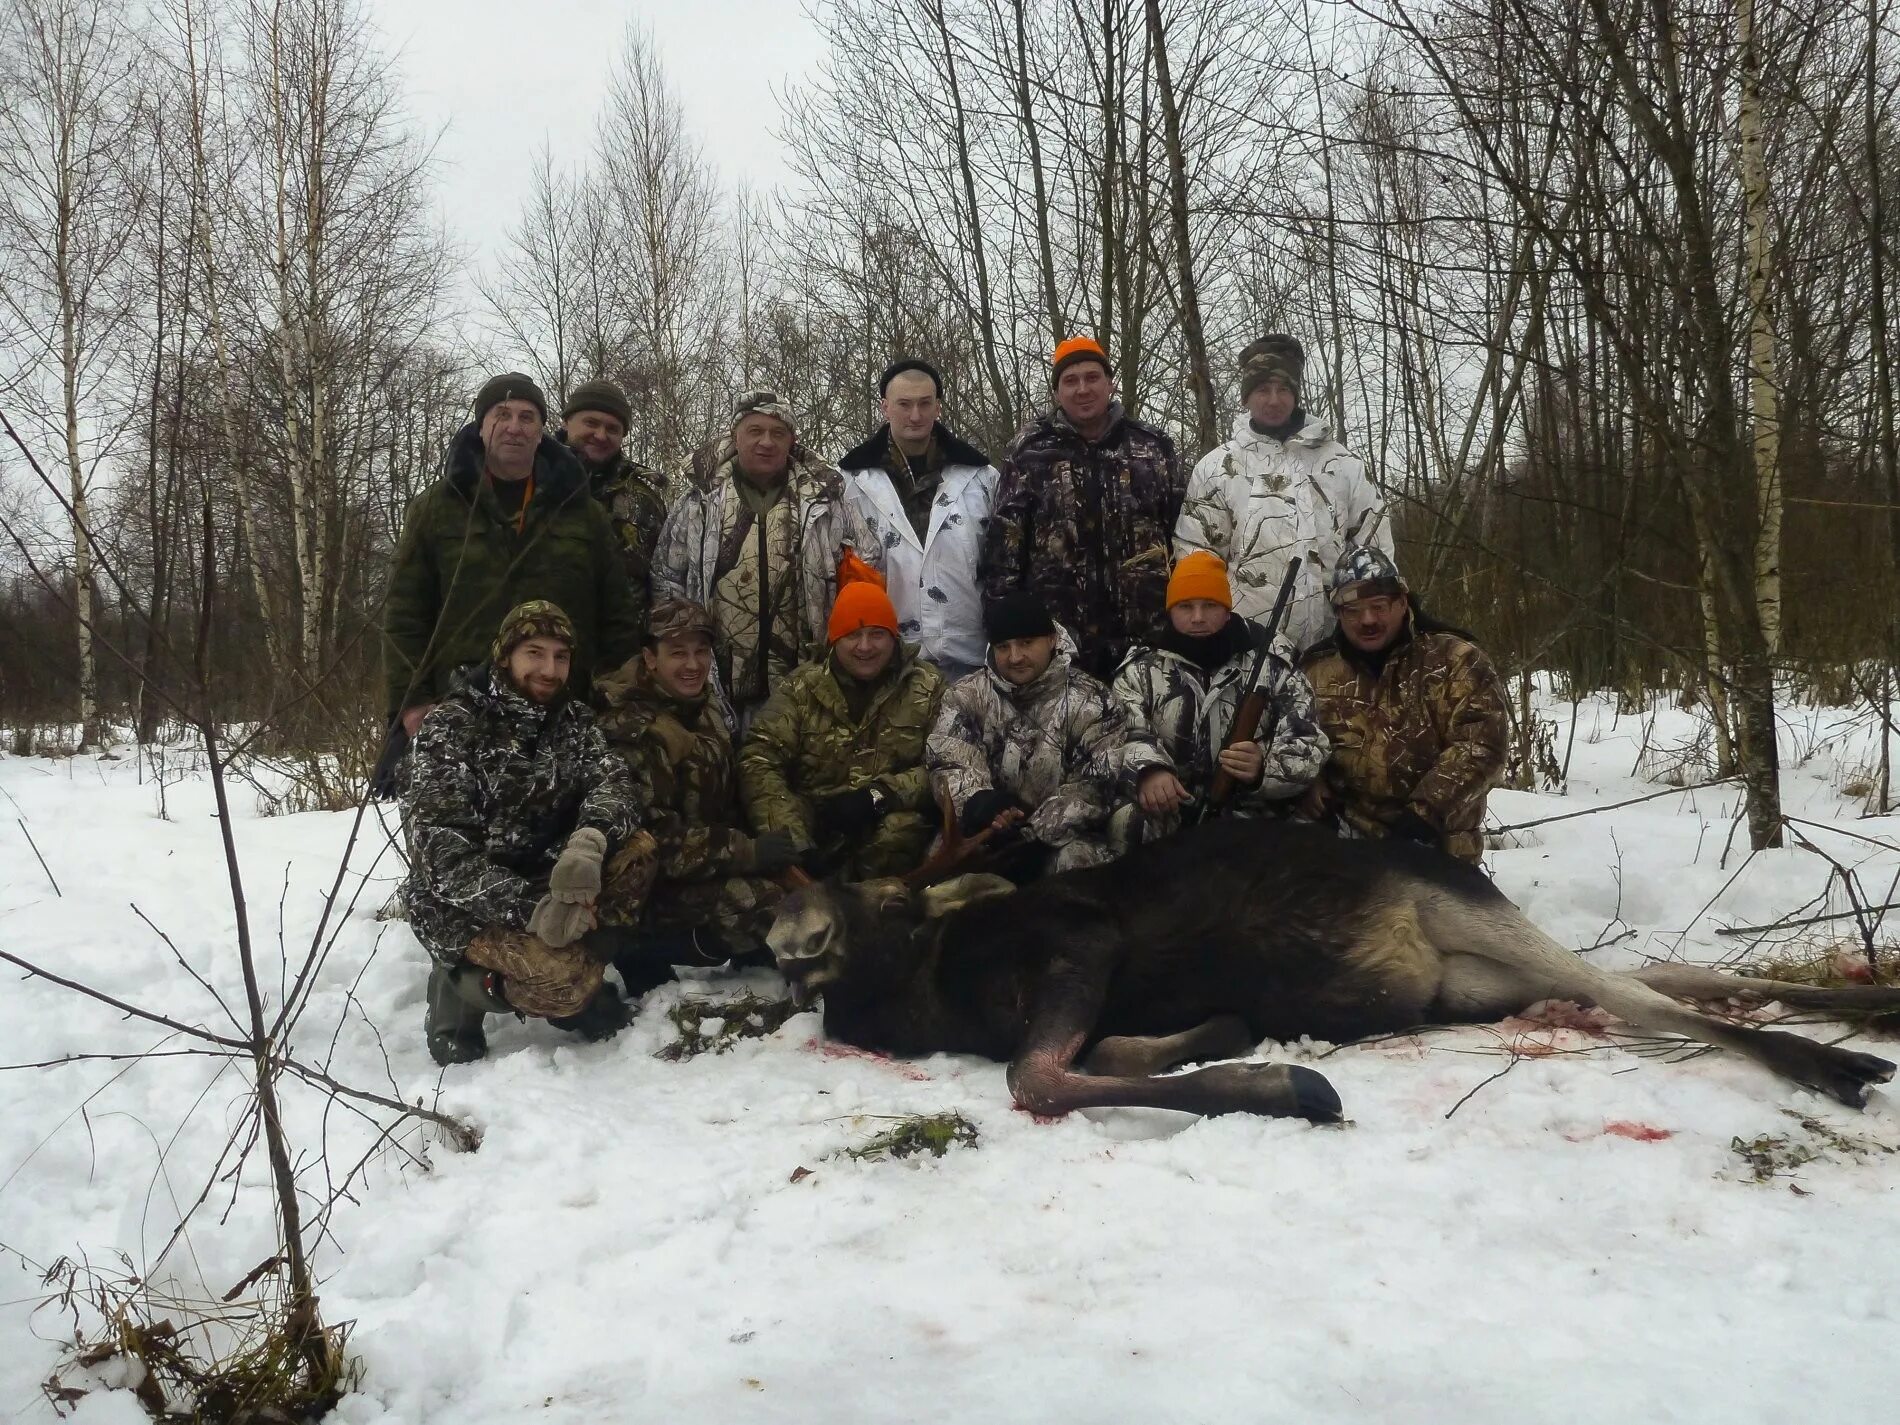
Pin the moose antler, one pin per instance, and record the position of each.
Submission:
(955, 850)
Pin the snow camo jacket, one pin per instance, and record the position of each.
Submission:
(1055, 745)
(805, 744)
(1086, 525)
(1428, 733)
(497, 783)
(1259, 503)
(769, 581)
(685, 777)
(1178, 718)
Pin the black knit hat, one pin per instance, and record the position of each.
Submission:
(908, 363)
(1016, 616)
(599, 395)
(509, 386)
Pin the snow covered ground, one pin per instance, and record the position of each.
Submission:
(1577, 1241)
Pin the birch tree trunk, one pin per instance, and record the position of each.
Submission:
(1763, 391)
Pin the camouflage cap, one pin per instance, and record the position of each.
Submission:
(1364, 569)
(675, 618)
(763, 403)
(537, 618)
(1275, 354)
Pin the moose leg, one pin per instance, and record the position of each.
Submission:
(1043, 1077)
(1695, 982)
(1522, 958)
(1225, 1036)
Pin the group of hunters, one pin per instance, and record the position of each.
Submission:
(625, 716)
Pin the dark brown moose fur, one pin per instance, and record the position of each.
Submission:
(1200, 946)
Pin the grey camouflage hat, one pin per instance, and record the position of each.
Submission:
(1362, 570)
(674, 618)
(763, 403)
(1275, 354)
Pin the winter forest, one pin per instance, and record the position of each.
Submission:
(1601, 291)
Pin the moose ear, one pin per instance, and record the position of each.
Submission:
(892, 896)
(960, 891)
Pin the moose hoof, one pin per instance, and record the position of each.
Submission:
(1273, 1090)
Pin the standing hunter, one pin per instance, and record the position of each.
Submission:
(595, 419)
(517, 815)
(756, 542)
(712, 899)
(1417, 716)
(926, 496)
(510, 520)
(1280, 489)
(1084, 511)
(1182, 690)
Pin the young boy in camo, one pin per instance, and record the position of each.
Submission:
(1181, 691)
(716, 885)
(516, 812)
(1415, 712)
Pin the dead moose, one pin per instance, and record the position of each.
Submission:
(1201, 946)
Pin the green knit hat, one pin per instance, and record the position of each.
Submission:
(509, 386)
(537, 618)
(599, 395)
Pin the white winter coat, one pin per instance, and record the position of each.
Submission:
(1258, 502)
(932, 581)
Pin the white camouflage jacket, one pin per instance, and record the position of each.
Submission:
(1056, 745)
(1178, 718)
(1258, 503)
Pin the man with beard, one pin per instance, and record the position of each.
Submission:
(712, 899)
(1416, 714)
(926, 496)
(1181, 691)
(836, 758)
(509, 521)
(1084, 512)
(756, 542)
(595, 418)
(516, 814)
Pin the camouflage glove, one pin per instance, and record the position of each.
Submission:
(567, 911)
(773, 852)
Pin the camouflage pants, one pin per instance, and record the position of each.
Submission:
(537, 978)
(739, 906)
(627, 880)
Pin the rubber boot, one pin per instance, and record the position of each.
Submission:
(602, 1017)
(459, 1000)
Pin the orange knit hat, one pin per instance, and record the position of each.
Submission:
(1077, 348)
(1200, 575)
(861, 601)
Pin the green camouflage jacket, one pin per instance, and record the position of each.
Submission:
(680, 758)
(497, 784)
(805, 744)
(1426, 733)
(636, 498)
(460, 567)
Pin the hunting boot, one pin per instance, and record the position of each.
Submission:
(602, 1017)
(459, 1000)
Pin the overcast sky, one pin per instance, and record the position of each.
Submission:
(498, 78)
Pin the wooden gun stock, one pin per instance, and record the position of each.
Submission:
(1246, 725)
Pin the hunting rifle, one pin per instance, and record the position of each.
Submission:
(1254, 703)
